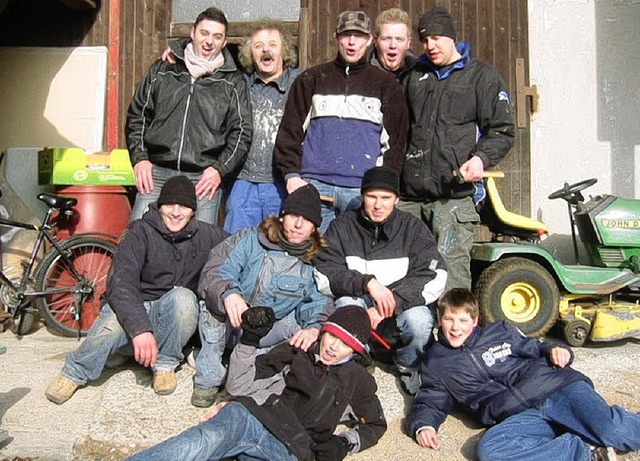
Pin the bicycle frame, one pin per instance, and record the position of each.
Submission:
(43, 233)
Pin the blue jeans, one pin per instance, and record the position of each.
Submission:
(415, 328)
(345, 199)
(174, 318)
(233, 432)
(249, 203)
(562, 427)
(207, 209)
(215, 336)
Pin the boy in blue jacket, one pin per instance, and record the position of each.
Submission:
(539, 407)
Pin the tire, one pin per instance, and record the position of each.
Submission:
(27, 324)
(520, 291)
(91, 258)
(576, 332)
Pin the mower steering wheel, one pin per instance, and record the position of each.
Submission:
(569, 190)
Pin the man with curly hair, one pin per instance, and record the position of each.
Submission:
(268, 57)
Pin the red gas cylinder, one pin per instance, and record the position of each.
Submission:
(103, 209)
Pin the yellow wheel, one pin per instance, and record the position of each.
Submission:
(519, 291)
(520, 302)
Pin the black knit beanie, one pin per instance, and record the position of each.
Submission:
(381, 177)
(351, 325)
(304, 201)
(178, 190)
(436, 21)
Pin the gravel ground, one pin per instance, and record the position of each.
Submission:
(120, 414)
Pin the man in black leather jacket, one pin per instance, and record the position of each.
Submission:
(191, 117)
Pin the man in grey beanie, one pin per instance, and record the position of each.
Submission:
(461, 120)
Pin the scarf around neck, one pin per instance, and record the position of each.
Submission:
(294, 249)
(198, 66)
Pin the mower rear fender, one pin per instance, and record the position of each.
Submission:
(578, 279)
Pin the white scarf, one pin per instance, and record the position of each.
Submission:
(198, 66)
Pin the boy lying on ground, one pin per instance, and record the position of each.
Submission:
(539, 407)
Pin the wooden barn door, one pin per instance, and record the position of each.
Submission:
(497, 32)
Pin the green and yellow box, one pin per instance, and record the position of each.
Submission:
(67, 166)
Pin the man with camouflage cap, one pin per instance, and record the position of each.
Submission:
(342, 118)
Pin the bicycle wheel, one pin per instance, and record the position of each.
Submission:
(91, 258)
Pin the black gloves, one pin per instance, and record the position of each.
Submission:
(256, 323)
(334, 449)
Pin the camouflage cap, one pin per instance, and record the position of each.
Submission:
(353, 20)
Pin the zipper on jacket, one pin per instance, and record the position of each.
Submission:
(184, 123)
(255, 287)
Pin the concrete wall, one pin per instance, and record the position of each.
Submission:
(584, 60)
(238, 10)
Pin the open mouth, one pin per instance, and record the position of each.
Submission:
(266, 59)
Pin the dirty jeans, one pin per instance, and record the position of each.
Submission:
(452, 222)
(215, 335)
(345, 199)
(562, 427)
(174, 318)
(249, 203)
(415, 328)
(207, 209)
(233, 433)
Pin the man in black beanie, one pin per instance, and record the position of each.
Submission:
(268, 265)
(461, 120)
(150, 299)
(385, 260)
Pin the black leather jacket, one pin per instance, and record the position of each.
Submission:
(188, 125)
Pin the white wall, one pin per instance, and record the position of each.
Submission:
(52, 97)
(588, 88)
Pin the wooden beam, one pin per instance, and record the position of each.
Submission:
(238, 30)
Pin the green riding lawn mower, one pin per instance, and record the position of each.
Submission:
(522, 276)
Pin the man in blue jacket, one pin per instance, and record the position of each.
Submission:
(268, 265)
(150, 298)
(460, 119)
(539, 407)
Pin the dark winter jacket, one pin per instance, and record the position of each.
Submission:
(315, 399)
(250, 265)
(188, 125)
(400, 253)
(454, 113)
(150, 261)
(407, 65)
(341, 120)
(498, 372)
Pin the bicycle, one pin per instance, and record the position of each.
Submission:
(66, 284)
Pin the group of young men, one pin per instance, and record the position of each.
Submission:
(344, 215)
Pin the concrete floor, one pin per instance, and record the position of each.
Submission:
(120, 414)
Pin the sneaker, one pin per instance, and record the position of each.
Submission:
(204, 397)
(60, 390)
(603, 454)
(164, 382)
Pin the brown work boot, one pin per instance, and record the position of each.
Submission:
(164, 382)
(60, 390)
